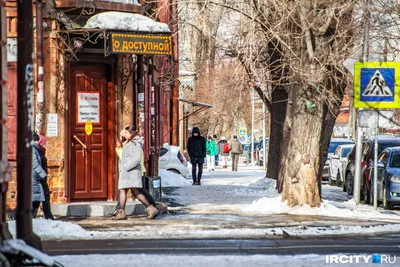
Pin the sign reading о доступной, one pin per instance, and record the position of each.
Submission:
(140, 44)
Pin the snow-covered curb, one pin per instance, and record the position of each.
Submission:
(60, 230)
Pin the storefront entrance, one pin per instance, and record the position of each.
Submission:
(91, 154)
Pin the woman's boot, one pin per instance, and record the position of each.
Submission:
(120, 215)
(152, 212)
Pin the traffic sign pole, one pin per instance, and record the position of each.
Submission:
(376, 161)
(357, 173)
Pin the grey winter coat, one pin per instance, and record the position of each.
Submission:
(130, 175)
(221, 148)
(38, 175)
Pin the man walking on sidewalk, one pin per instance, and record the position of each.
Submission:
(236, 149)
(196, 148)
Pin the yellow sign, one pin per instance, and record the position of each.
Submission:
(377, 85)
(88, 127)
(242, 132)
(140, 44)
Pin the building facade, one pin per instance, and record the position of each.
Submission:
(99, 65)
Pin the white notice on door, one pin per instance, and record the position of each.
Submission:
(88, 107)
(52, 125)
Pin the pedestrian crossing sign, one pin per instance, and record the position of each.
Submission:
(377, 85)
(242, 132)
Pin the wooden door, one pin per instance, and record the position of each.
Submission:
(88, 167)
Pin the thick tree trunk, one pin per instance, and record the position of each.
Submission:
(279, 100)
(302, 161)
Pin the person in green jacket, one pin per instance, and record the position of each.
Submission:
(212, 151)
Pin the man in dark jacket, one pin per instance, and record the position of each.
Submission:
(196, 147)
(38, 175)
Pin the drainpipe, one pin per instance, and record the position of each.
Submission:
(175, 67)
(39, 64)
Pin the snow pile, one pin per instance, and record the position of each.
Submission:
(125, 21)
(268, 184)
(347, 209)
(54, 229)
(130, 2)
(171, 179)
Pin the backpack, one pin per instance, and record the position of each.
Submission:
(226, 148)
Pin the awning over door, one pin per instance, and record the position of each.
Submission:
(200, 107)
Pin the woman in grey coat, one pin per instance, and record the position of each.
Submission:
(39, 176)
(130, 174)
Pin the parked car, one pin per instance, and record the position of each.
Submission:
(338, 161)
(171, 159)
(388, 178)
(366, 159)
(246, 158)
(260, 152)
(246, 153)
(335, 142)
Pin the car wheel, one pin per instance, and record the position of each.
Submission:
(330, 181)
(386, 203)
(366, 194)
(349, 184)
(339, 181)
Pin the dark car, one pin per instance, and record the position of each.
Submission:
(366, 159)
(335, 142)
(388, 178)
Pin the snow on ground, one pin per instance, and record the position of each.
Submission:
(340, 206)
(233, 204)
(171, 179)
(55, 229)
(200, 261)
(125, 21)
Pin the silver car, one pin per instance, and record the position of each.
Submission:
(337, 163)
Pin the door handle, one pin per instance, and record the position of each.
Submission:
(81, 143)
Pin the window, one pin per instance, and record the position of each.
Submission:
(383, 158)
(395, 161)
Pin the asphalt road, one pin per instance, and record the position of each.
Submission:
(382, 245)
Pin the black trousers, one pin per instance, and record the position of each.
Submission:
(35, 208)
(196, 174)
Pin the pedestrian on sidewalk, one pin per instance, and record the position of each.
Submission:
(130, 174)
(39, 175)
(216, 140)
(212, 151)
(223, 150)
(236, 149)
(46, 203)
(196, 147)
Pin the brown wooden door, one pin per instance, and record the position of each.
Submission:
(89, 167)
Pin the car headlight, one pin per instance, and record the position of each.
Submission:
(395, 179)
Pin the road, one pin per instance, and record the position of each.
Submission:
(382, 245)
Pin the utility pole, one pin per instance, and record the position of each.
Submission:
(252, 128)
(25, 102)
(364, 58)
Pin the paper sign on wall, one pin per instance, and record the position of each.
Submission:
(52, 125)
(88, 107)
